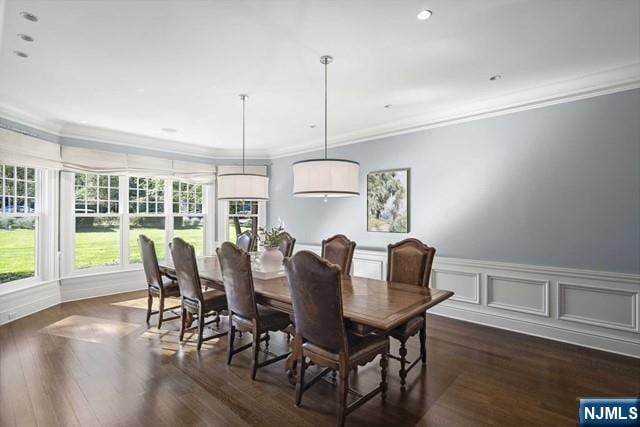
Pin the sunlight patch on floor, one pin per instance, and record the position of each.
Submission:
(141, 303)
(170, 344)
(90, 329)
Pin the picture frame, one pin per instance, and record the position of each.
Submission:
(388, 201)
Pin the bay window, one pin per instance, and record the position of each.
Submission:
(19, 215)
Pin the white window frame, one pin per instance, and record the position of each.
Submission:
(122, 183)
(223, 219)
(45, 266)
(207, 248)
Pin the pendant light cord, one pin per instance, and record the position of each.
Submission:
(244, 99)
(326, 64)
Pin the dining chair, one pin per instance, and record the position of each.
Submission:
(159, 284)
(245, 315)
(194, 301)
(287, 243)
(339, 250)
(409, 261)
(316, 296)
(247, 241)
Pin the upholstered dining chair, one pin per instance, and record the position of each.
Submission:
(244, 313)
(409, 261)
(287, 243)
(159, 284)
(247, 241)
(194, 301)
(316, 296)
(339, 250)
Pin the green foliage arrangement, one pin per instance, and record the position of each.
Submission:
(271, 238)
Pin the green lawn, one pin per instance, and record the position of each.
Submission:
(94, 248)
(17, 254)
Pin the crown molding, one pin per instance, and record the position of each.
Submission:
(592, 85)
(108, 136)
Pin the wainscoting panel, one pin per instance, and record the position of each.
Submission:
(595, 309)
(516, 294)
(609, 308)
(466, 286)
(371, 269)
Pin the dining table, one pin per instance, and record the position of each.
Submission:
(368, 304)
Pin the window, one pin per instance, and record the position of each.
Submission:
(188, 214)
(97, 221)
(146, 215)
(242, 216)
(18, 223)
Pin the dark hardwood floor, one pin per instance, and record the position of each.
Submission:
(95, 362)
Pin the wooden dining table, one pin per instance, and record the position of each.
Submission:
(368, 304)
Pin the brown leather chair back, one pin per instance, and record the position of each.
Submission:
(235, 265)
(247, 241)
(410, 261)
(184, 262)
(339, 250)
(316, 297)
(287, 244)
(150, 261)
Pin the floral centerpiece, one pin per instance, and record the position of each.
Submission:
(271, 258)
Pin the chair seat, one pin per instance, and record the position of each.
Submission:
(407, 330)
(214, 300)
(361, 349)
(170, 286)
(270, 320)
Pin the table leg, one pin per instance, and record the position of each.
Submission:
(292, 360)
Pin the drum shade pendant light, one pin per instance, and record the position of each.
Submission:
(243, 186)
(326, 177)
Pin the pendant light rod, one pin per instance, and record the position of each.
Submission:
(243, 97)
(326, 60)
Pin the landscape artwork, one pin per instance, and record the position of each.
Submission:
(388, 201)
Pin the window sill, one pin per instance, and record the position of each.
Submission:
(92, 272)
(22, 285)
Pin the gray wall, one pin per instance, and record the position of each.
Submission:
(554, 186)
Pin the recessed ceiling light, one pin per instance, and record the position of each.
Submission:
(84, 122)
(169, 130)
(29, 16)
(20, 54)
(26, 37)
(313, 126)
(388, 106)
(496, 77)
(424, 15)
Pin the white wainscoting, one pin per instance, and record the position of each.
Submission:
(28, 300)
(589, 308)
(100, 284)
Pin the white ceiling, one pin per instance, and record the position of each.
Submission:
(138, 66)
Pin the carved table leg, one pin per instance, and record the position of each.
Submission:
(292, 360)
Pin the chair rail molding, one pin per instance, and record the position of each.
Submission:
(595, 309)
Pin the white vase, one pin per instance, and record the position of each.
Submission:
(271, 259)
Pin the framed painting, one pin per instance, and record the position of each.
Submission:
(388, 201)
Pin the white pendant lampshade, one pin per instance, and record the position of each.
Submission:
(326, 177)
(243, 186)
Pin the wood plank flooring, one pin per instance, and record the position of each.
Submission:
(96, 363)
